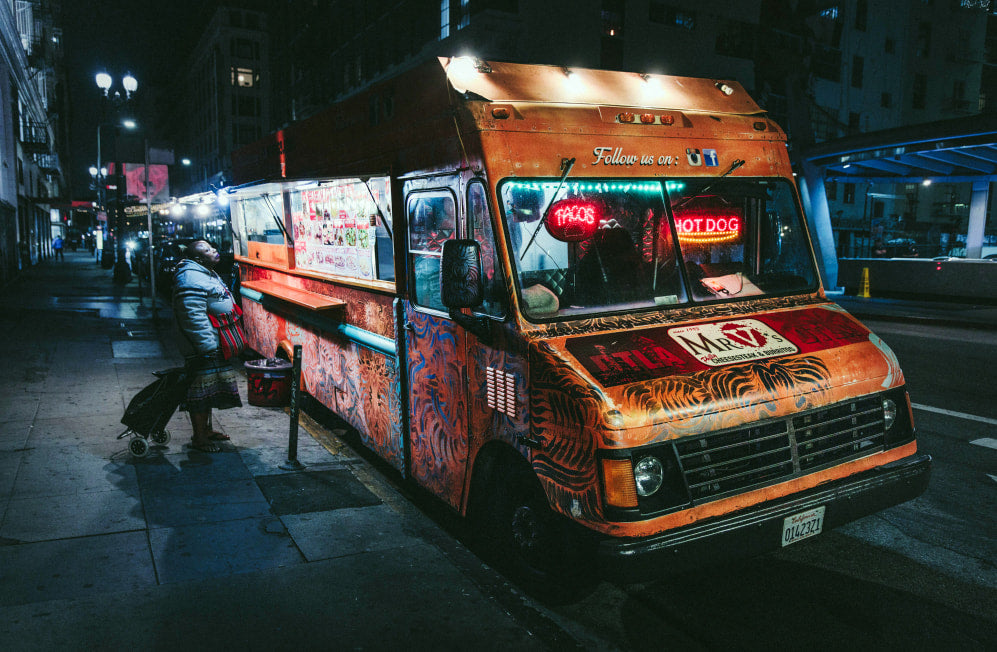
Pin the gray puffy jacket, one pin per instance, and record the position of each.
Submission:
(198, 292)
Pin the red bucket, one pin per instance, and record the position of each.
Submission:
(269, 382)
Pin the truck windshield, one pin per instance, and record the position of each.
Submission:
(610, 245)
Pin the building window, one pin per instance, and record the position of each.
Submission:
(885, 100)
(827, 63)
(825, 126)
(244, 49)
(861, 9)
(958, 90)
(245, 106)
(662, 14)
(920, 91)
(857, 72)
(849, 193)
(444, 19)
(244, 77)
(831, 190)
(831, 13)
(923, 39)
(736, 39)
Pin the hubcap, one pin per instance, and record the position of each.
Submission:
(526, 529)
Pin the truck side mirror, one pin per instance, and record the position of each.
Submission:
(460, 274)
(461, 287)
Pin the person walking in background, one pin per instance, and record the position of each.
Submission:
(57, 248)
(199, 293)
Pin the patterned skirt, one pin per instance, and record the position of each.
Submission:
(214, 384)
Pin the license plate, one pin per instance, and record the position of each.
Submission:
(802, 526)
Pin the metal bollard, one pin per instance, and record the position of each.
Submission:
(292, 463)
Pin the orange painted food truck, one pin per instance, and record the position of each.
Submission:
(575, 304)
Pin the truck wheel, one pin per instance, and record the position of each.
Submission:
(526, 534)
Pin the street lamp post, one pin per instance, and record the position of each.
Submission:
(122, 273)
(186, 162)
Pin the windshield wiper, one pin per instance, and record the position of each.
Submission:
(276, 218)
(685, 200)
(384, 222)
(566, 165)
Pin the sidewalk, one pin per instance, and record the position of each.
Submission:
(102, 550)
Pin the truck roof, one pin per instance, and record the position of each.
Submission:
(399, 124)
(516, 82)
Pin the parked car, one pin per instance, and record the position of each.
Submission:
(989, 252)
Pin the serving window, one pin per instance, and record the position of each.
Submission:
(343, 227)
(257, 221)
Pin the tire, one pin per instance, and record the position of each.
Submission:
(162, 438)
(138, 447)
(524, 534)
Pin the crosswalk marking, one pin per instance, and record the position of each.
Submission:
(986, 441)
(958, 415)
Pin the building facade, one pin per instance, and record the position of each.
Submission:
(223, 96)
(32, 133)
(877, 68)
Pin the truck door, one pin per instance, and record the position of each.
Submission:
(435, 350)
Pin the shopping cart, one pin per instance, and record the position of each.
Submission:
(152, 408)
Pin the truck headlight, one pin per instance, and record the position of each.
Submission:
(889, 413)
(643, 482)
(648, 475)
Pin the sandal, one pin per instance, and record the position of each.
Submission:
(218, 436)
(204, 446)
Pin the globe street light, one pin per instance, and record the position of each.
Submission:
(122, 273)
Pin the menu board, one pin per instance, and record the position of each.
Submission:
(335, 226)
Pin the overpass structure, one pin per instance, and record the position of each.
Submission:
(961, 150)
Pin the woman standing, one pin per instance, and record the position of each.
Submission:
(198, 292)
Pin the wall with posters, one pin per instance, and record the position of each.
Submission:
(338, 226)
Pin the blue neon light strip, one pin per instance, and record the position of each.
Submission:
(360, 336)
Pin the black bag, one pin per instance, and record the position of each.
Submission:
(151, 409)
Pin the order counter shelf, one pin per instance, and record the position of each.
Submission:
(304, 298)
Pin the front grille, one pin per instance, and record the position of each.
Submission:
(723, 463)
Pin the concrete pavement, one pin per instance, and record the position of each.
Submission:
(102, 550)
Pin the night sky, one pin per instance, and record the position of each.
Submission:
(150, 40)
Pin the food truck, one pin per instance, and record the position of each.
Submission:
(578, 305)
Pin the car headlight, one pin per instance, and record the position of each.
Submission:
(648, 474)
(889, 413)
